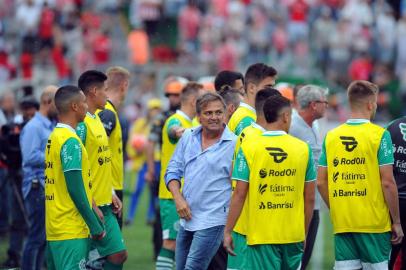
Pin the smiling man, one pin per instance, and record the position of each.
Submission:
(203, 158)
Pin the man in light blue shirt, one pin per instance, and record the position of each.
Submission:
(203, 157)
(312, 105)
(33, 140)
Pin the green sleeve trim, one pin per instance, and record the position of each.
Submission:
(241, 171)
(245, 122)
(311, 174)
(76, 190)
(385, 152)
(323, 156)
(81, 131)
(169, 130)
(71, 155)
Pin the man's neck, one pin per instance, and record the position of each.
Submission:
(211, 135)
(248, 100)
(114, 100)
(91, 108)
(68, 121)
(188, 111)
(274, 126)
(43, 112)
(360, 115)
(261, 121)
(307, 116)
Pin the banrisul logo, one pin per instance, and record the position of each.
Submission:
(277, 153)
(402, 127)
(349, 142)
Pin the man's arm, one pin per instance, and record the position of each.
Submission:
(150, 160)
(236, 205)
(108, 119)
(71, 158)
(389, 188)
(182, 206)
(174, 130)
(245, 122)
(240, 174)
(309, 189)
(322, 184)
(30, 142)
(322, 175)
(390, 193)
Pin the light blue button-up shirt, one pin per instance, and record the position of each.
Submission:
(33, 140)
(207, 174)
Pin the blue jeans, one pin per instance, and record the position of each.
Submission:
(194, 250)
(33, 255)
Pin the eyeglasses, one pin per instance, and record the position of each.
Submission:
(321, 101)
(213, 113)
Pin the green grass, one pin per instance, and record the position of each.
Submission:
(138, 239)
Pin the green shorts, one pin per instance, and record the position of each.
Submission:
(67, 254)
(275, 256)
(113, 242)
(240, 249)
(169, 219)
(362, 250)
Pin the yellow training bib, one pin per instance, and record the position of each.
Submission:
(97, 146)
(242, 111)
(248, 132)
(62, 219)
(168, 148)
(357, 202)
(277, 166)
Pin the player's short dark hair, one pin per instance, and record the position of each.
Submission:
(359, 90)
(227, 77)
(230, 95)
(257, 73)
(64, 97)
(91, 78)
(273, 106)
(190, 89)
(29, 102)
(262, 95)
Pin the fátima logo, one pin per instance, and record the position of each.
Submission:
(262, 188)
(335, 176)
(349, 142)
(277, 153)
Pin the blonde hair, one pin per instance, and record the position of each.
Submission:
(116, 75)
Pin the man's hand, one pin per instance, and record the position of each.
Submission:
(98, 212)
(183, 208)
(179, 132)
(150, 176)
(99, 236)
(397, 233)
(228, 243)
(117, 205)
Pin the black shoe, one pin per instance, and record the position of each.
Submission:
(10, 263)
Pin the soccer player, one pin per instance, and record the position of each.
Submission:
(258, 76)
(355, 179)
(118, 80)
(94, 137)
(397, 130)
(68, 187)
(240, 231)
(172, 131)
(230, 78)
(275, 175)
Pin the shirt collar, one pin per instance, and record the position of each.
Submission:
(91, 115)
(62, 125)
(245, 105)
(357, 121)
(274, 133)
(184, 115)
(43, 119)
(255, 125)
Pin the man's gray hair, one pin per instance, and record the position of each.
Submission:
(309, 93)
(206, 98)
